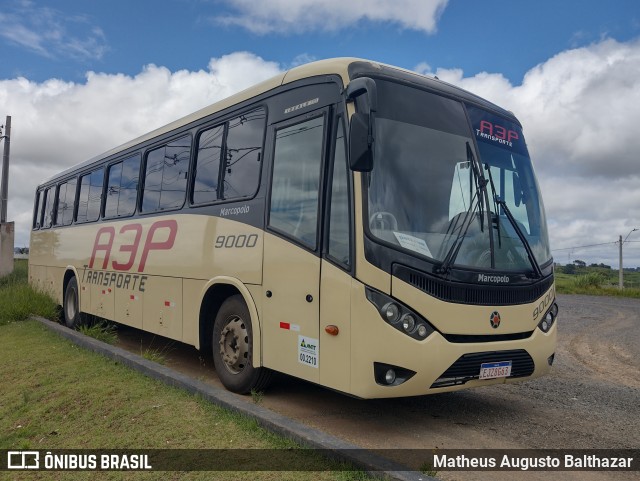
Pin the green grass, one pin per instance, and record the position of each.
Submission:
(104, 331)
(156, 354)
(56, 395)
(596, 281)
(51, 400)
(19, 300)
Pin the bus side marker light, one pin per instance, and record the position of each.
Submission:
(332, 330)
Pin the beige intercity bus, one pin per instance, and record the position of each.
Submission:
(349, 223)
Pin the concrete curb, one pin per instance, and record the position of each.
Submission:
(340, 450)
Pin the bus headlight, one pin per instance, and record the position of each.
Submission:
(400, 316)
(388, 375)
(422, 331)
(391, 312)
(408, 322)
(549, 318)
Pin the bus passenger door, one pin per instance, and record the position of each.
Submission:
(337, 267)
(291, 266)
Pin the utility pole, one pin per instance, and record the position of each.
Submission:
(4, 188)
(7, 229)
(621, 281)
(620, 277)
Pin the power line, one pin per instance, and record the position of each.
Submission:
(590, 245)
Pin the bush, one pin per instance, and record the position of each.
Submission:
(590, 280)
(18, 300)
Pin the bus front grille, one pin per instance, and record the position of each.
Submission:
(474, 294)
(467, 367)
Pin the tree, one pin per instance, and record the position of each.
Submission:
(580, 263)
(569, 269)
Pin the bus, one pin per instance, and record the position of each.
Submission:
(349, 223)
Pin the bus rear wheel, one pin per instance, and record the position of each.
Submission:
(73, 318)
(233, 349)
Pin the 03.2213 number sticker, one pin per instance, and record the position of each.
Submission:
(308, 351)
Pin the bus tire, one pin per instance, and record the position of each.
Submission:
(73, 318)
(232, 343)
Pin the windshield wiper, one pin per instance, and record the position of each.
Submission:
(527, 247)
(477, 200)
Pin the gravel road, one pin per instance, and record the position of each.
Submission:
(590, 400)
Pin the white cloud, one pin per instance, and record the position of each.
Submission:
(302, 15)
(580, 115)
(579, 110)
(57, 124)
(51, 33)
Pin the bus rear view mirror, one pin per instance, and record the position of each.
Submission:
(360, 143)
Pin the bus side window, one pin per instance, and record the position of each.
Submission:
(165, 181)
(122, 187)
(296, 180)
(61, 203)
(47, 213)
(339, 208)
(205, 187)
(66, 202)
(243, 155)
(36, 211)
(90, 196)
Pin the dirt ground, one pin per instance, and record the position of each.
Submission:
(591, 400)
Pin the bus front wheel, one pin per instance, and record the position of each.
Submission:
(233, 349)
(73, 318)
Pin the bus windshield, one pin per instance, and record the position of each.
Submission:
(431, 192)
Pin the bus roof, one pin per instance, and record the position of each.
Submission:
(347, 68)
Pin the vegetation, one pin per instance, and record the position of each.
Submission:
(599, 280)
(51, 400)
(19, 300)
(102, 331)
(57, 395)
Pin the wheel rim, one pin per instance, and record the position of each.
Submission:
(234, 345)
(70, 305)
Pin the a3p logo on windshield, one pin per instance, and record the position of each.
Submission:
(23, 460)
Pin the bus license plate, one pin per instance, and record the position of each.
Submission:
(494, 370)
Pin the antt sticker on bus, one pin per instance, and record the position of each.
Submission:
(308, 351)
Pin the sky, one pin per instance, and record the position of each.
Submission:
(79, 78)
